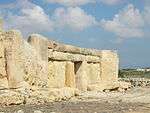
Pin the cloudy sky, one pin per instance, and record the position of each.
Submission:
(122, 25)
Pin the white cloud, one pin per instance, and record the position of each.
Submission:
(146, 12)
(71, 2)
(30, 18)
(29, 21)
(127, 24)
(74, 18)
(83, 2)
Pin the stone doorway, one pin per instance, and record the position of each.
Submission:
(77, 66)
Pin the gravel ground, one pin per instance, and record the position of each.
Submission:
(136, 100)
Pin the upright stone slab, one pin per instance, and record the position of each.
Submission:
(2, 61)
(3, 76)
(93, 73)
(109, 66)
(70, 75)
(14, 57)
(81, 75)
(40, 43)
(56, 74)
(34, 67)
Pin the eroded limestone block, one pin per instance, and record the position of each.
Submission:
(56, 74)
(55, 55)
(3, 83)
(103, 85)
(72, 49)
(34, 67)
(40, 43)
(81, 75)
(70, 75)
(109, 66)
(14, 57)
(2, 61)
(11, 98)
(50, 95)
(62, 93)
(93, 73)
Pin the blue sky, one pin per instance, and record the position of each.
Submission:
(121, 25)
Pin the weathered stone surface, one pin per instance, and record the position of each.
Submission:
(81, 75)
(124, 85)
(70, 75)
(62, 93)
(34, 67)
(93, 73)
(14, 59)
(103, 85)
(4, 83)
(38, 111)
(40, 44)
(19, 111)
(109, 66)
(2, 61)
(72, 49)
(50, 95)
(44, 71)
(11, 98)
(61, 56)
(56, 74)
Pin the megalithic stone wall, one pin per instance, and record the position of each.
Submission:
(41, 65)
(43, 70)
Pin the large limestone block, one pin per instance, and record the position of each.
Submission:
(72, 49)
(50, 95)
(70, 75)
(1, 49)
(66, 56)
(2, 61)
(3, 76)
(34, 67)
(56, 74)
(93, 73)
(61, 93)
(103, 85)
(3, 83)
(55, 55)
(40, 43)
(11, 98)
(81, 75)
(14, 58)
(109, 66)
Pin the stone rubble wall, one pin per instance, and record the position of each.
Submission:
(136, 82)
(43, 70)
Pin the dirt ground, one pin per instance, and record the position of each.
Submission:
(136, 100)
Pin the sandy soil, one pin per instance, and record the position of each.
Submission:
(136, 100)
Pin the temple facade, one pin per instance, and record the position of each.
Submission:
(40, 63)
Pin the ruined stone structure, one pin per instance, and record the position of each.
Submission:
(43, 70)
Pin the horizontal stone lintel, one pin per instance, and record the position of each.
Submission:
(76, 50)
(61, 56)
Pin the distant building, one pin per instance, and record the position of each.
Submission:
(143, 69)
